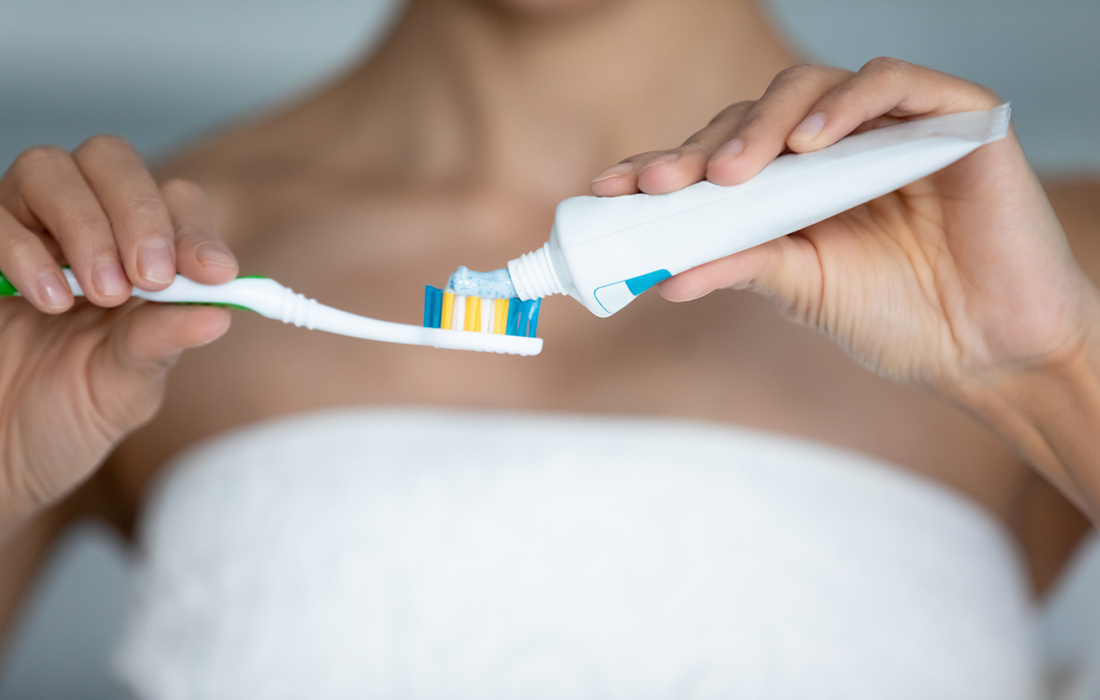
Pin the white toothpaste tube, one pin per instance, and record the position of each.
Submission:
(605, 251)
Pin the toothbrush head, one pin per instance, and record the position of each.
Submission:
(474, 323)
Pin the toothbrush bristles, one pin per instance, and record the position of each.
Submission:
(433, 306)
(500, 316)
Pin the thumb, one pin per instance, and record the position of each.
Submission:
(129, 370)
(787, 271)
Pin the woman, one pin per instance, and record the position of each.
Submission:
(451, 146)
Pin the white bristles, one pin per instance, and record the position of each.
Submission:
(458, 316)
(487, 317)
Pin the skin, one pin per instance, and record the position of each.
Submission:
(451, 146)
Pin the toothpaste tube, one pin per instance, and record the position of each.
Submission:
(605, 251)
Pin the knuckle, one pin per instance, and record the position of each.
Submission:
(100, 144)
(886, 64)
(732, 112)
(147, 208)
(36, 159)
(752, 122)
(191, 234)
(149, 401)
(139, 404)
(20, 250)
(643, 159)
(85, 224)
(989, 96)
(797, 72)
(182, 188)
(847, 93)
(697, 145)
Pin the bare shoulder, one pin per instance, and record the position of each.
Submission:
(1077, 204)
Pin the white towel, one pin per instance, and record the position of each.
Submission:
(422, 554)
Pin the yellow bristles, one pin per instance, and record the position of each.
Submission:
(446, 310)
(501, 308)
(473, 314)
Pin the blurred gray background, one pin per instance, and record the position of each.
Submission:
(162, 71)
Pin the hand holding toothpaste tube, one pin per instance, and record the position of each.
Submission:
(961, 282)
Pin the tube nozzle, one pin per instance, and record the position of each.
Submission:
(533, 275)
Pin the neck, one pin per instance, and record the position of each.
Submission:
(466, 92)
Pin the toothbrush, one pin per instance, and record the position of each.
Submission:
(272, 300)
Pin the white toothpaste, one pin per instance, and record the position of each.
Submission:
(605, 251)
(487, 285)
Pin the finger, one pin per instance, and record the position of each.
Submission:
(44, 188)
(30, 268)
(200, 254)
(622, 178)
(787, 271)
(886, 87)
(129, 369)
(660, 172)
(619, 179)
(155, 334)
(688, 163)
(762, 133)
(134, 207)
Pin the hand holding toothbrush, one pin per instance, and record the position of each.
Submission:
(962, 282)
(73, 384)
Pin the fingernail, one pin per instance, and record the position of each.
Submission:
(210, 254)
(53, 290)
(810, 127)
(729, 150)
(155, 262)
(617, 170)
(108, 278)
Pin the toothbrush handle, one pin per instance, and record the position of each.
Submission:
(7, 289)
(264, 296)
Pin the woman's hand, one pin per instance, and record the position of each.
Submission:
(76, 376)
(957, 274)
(960, 281)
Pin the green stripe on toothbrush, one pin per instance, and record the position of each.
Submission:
(7, 289)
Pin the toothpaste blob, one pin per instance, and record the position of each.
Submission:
(487, 285)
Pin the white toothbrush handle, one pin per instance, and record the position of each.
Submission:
(272, 300)
(260, 294)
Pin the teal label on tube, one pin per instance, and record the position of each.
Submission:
(639, 284)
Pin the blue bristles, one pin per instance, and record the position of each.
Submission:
(428, 297)
(513, 315)
(533, 318)
(437, 306)
(528, 317)
(521, 318)
(433, 306)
